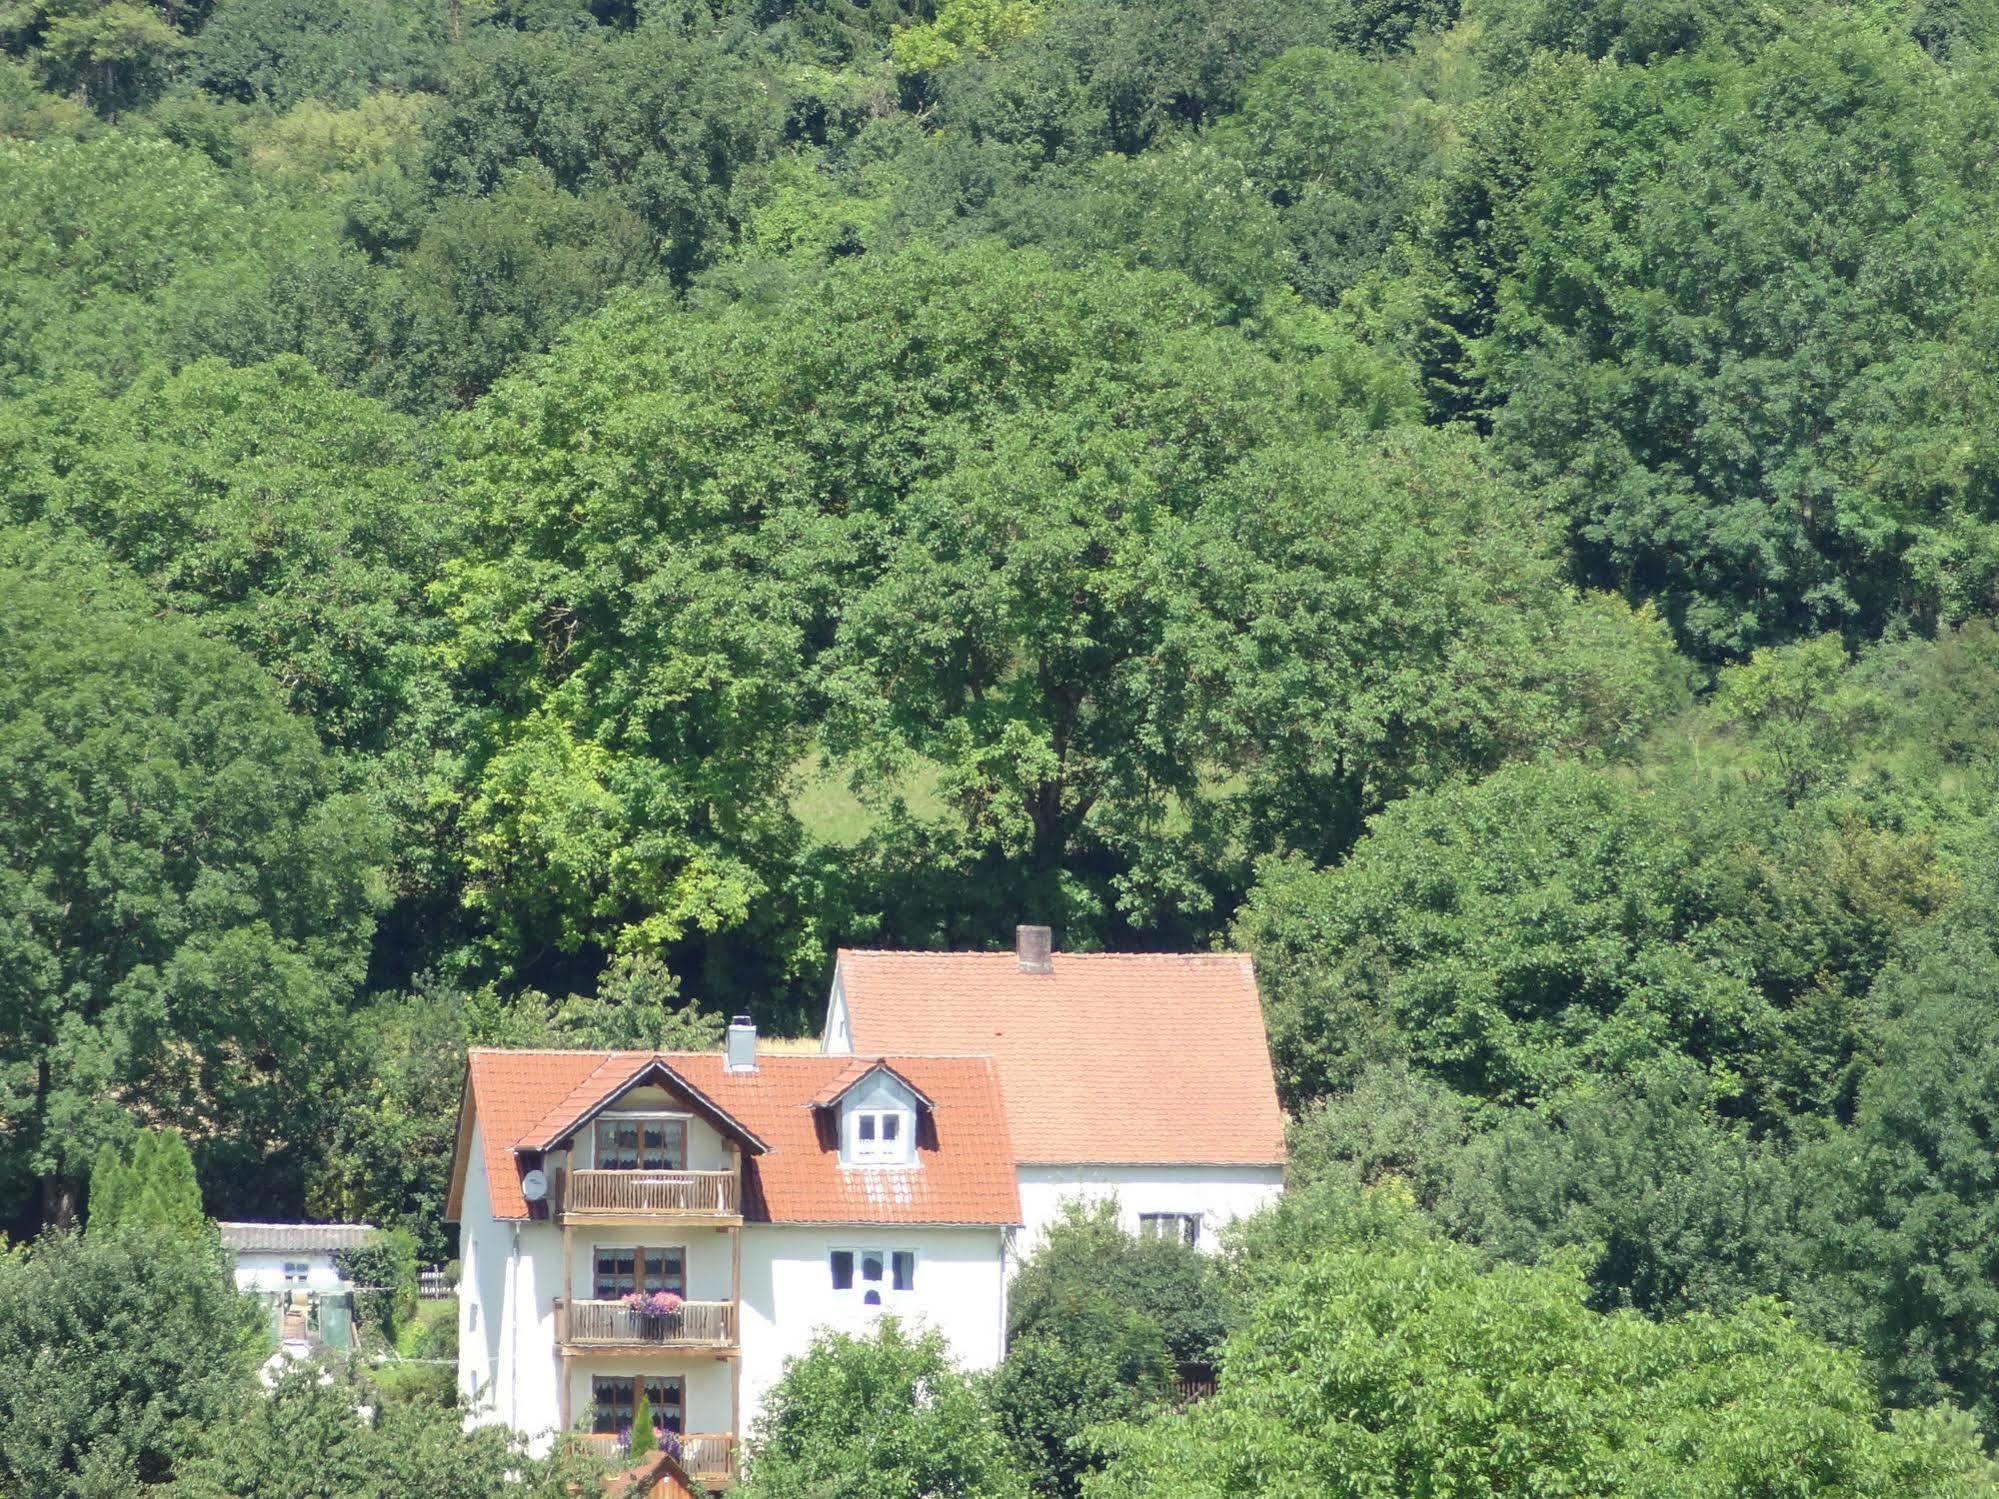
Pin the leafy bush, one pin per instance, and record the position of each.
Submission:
(1087, 1259)
(885, 1416)
(384, 1274)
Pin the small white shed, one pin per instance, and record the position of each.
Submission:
(291, 1256)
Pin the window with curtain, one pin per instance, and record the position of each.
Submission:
(626, 1143)
(621, 1270)
(613, 1396)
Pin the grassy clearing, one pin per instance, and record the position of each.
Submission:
(823, 799)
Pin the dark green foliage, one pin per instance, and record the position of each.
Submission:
(1393, 1125)
(189, 895)
(497, 277)
(383, 1272)
(1100, 1362)
(1753, 392)
(1515, 937)
(309, 1439)
(887, 1416)
(281, 51)
(1909, 1220)
(1345, 148)
(1088, 1263)
(658, 119)
(1664, 1205)
(114, 1350)
(289, 518)
(108, 248)
(1509, 937)
(1392, 1367)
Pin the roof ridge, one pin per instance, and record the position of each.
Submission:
(763, 1058)
(1007, 952)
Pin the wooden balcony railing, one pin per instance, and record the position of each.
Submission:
(612, 1324)
(702, 1454)
(649, 1194)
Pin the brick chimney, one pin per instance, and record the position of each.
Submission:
(1034, 948)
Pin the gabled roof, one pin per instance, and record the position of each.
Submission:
(621, 1072)
(1109, 1058)
(964, 1172)
(860, 1070)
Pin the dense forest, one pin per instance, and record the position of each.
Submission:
(531, 521)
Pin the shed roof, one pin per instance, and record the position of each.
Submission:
(299, 1237)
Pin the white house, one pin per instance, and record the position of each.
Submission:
(1143, 1076)
(760, 1199)
(684, 1222)
(293, 1269)
(277, 1257)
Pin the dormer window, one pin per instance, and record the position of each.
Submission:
(876, 1110)
(880, 1136)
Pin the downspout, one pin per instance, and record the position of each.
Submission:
(514, 1331)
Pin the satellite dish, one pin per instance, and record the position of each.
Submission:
(534, 1186)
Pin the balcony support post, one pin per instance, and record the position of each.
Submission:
(736, 1337)
(562, 1382)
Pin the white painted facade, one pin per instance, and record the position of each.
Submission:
(510, 1370)
(1214, 1196)
(788, 1296)
(287, 1270)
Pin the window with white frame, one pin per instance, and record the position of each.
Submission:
(1186, 1227)
(872, 1277)
(297, 1272)
(879, 1137)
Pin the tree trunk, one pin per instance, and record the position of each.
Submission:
(58, 1202)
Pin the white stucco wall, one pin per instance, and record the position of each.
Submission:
(264, 1270)
(1219, 1194)
(837, 1036)
(509, 1357)
(788, 1295)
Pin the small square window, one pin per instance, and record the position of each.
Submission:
(878, 1137)
(297, 1273)
(1186, 1227)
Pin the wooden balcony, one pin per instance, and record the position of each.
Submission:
(613, 1325)
(703, 1454)
(713, 1196)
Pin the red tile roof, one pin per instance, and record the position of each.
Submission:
(965, 1171)
(1112, 1058)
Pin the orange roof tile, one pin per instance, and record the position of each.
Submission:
(1112, 1058)
(964, 1174)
